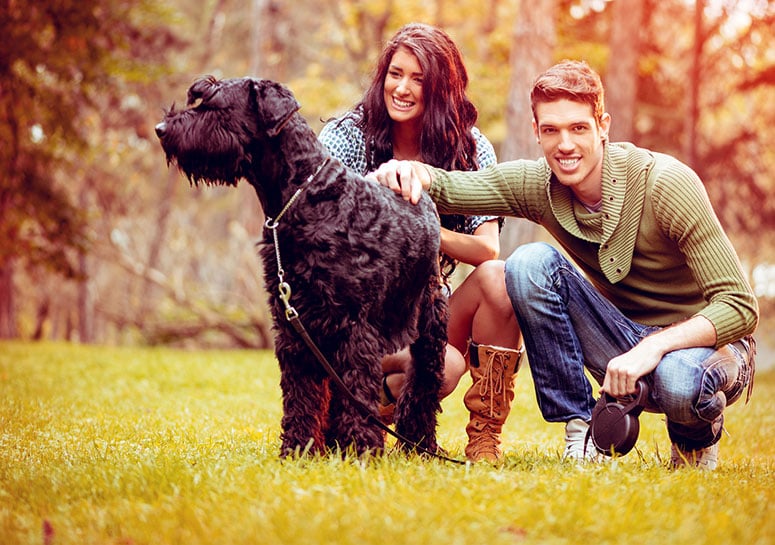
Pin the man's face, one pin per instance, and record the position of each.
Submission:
(572, 142)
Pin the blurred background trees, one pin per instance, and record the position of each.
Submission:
(101, 242)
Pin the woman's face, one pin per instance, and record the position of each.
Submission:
(403, 87)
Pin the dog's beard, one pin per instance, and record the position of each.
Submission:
(213, 161)
(209, 174)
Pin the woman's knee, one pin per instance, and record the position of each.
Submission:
(454, 369)
(491, 285)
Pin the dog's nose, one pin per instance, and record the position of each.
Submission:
(161, 128)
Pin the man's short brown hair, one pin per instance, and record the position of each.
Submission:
(571, 80)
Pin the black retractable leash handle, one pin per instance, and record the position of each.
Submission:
(614, 428)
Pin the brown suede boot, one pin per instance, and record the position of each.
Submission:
(493, 370)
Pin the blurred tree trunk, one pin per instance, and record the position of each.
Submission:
(267, 40)
(149, 289)
(7, 311)
(490, 19)
(85, 302)
(261, 47)
(532, 47)
(622, 74)
(693, 109)
(438, 16)
(85, 296)
(9, 164)
(260, 33)
(214, 32)
(488, 25)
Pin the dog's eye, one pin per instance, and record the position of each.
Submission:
(195, 103)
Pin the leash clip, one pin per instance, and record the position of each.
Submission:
(285, 295)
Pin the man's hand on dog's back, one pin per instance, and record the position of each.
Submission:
(406, 178)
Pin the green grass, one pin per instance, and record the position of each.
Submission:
(132, 446)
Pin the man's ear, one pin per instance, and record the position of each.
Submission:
(535, 131)
(275, 105)
(605, 125)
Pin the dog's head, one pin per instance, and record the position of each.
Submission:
(213, 138)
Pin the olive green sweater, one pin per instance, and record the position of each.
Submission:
(656, 249)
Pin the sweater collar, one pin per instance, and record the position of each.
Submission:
(622, 181)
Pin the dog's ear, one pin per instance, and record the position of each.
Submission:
(202, 90)
(275, 104)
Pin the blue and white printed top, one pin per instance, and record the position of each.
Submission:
(345, 140)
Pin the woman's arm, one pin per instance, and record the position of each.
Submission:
(473, 249)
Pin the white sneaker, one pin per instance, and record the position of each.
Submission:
(576, 445)
(704, 458)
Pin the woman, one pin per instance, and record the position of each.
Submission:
(416, 108)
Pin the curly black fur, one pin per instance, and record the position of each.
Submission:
(362, 263)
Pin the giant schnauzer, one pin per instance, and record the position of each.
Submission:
(356, 263)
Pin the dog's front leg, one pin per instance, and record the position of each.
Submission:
(305, 407)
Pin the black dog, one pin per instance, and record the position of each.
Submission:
(360, 262)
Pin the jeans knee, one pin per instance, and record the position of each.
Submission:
(685, 404)
(697, 384)
(528, 263)
(676, 398)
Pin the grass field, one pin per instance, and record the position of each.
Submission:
(129, 446)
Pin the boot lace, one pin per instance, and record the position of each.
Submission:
(493, 380)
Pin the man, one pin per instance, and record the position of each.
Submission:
(660, 294)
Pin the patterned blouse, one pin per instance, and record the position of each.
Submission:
(345, 140)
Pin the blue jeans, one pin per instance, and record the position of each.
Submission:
(569, 326)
